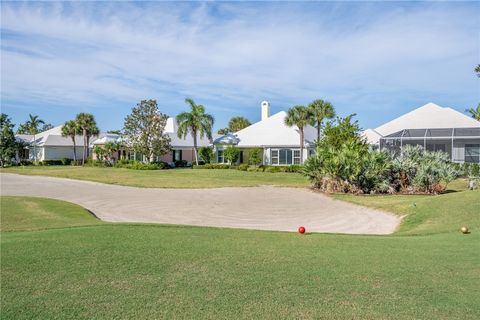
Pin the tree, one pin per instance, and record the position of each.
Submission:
(196, 122)
(299, 116)
(321, 110)
(119, 132)
(46, 126)
(33, 124)
(238, 123)
(111, 148)
(70, 129)
(8, 143)
(255, 156)
(477, 70)
(206, 154)
(23, 129)
(144, 130)
(223, 131)
(475, 113)
(88, 126)
(231, 154)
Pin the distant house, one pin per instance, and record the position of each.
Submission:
(181, 149)
(434, 128)
(50, 145)
(280, 143)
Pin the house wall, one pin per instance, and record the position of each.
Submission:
(57, 153)
(266, 153)
(187, 154)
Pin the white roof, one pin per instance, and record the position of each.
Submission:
(273, 132)
(52, 137)
(429, 116)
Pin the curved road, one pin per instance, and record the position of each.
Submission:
(261, 208)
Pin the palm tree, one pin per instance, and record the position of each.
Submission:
(33, 124)
(87, 124)
(475, 113)
(238, 123)
(321, 110)
(196, 122)
(70, 129)
(301, 117)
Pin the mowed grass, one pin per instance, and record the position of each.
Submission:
(427, 214)
(174, 178)
(29, 213)
(130, 271)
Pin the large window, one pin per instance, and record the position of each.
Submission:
(472, 153)
(220, 156)
(284, 156)
(176, 155)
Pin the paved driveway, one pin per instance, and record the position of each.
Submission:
(262, 208)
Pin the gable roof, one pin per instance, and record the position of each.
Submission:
(272, 132)
(429, 116)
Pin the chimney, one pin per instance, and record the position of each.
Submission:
(265, 110)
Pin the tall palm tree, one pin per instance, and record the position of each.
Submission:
(87, 124)
(321, 110)
(475, 113)
(238, 123)
(301, 117)
(70, 129)
(33, 124)
(197, 122)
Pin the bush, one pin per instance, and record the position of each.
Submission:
(206, 154)
(51, 163)
(138, 165)
(161, 164)
(25, 163)
(255, 156)
(98, 163)
(66, 161)
(181, 163)
(242, 167)
(273, 169)
(294, 168)
(231, 154)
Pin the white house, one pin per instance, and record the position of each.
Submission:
(50, 145)
(181, 148)
(433, 127)
(279, 142)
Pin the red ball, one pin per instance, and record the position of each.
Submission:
(301, 230)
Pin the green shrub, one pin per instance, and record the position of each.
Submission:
(273, 169)
(161, 165)
(231, 154)
(181, 163)
(294, 168)
(51, 163)
(242, 167)
(99, 163)
(25, 163)
(66, 161)
(255, 156)
(206, 154)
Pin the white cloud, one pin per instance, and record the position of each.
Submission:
(236, 54)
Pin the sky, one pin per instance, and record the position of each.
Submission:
(376, 59)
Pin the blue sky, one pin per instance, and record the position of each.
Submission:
(376, 59)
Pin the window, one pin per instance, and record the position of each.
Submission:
(296, 156)
(472, 153)
(176, 155)
(284, 156)
(131, 155)
(220, 156)
(274, 157)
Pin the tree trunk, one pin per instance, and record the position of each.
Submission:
(318, 130)
(74, 149)
(34, 149)
(195, 146)
(84, 147)
(301, 146)
(88, 143)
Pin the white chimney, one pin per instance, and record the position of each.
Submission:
(265, 110)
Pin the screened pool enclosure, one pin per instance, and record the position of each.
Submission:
(461, 144)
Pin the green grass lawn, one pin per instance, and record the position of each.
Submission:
(176, 178)
(427, 271)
